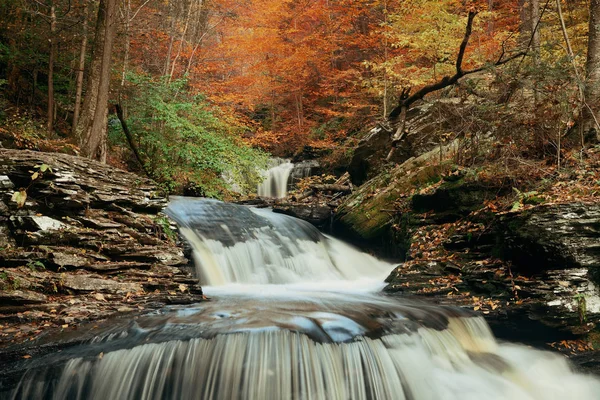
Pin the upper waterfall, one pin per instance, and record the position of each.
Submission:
(275, 184)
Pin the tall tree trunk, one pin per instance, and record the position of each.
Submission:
(185, 28)
(535, 44)
(127, 42)
(592, 84)
(53, 39)
(95, 137)
(172, 38)
(81, 68)
(88, 109)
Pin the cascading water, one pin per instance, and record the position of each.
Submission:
(234, 244)
(288, 321)
(281, 175)
(275, 184)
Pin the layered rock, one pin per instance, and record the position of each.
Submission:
(89, 241)
(422, 123)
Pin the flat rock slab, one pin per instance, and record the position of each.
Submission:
(87, 283)
(21, 297)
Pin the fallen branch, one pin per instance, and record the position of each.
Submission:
(331, 188)
(132, 144)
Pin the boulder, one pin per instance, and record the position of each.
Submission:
(367, 215)
(423, 122)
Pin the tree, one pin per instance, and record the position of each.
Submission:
(51, 60)
(592, 84)
(92, 125)
(81, 66)
(398, 115)
(181, 139)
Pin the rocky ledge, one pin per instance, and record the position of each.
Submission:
(80, 241)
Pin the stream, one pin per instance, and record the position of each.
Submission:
(294, 314)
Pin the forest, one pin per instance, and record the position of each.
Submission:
(341, 199)
(205, 87)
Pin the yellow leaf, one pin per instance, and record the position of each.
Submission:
(19, 197)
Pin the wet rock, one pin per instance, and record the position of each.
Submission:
(318, 215)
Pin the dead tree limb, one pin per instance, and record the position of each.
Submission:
(398, 114)
(331, 188)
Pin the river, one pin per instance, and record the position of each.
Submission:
(295, 314)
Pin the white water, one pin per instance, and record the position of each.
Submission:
(276, 179)
(295, 316)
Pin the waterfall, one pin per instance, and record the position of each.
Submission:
(294, 315)
(275, 183)
(281, 175)
(234, 244)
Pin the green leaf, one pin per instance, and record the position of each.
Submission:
(516, 206)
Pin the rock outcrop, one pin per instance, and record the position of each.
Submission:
(423, 122)
(557, 236)
(538, 264)
(88, 241)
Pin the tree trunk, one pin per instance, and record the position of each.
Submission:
(88, 109)
(52, 57)
(81, 68)
(127, 42)
(95, 138)
(185, 28)
(524, 23)
(592, 87)
(172, 38)
(535, 44)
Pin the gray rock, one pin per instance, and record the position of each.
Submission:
(17, 297)
(559, 236)
(87, 283)
(318, 215)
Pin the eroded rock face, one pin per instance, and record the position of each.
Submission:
(559, 236)
(89, 238)
(422, 122)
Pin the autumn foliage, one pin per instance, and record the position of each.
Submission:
(284, 74)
